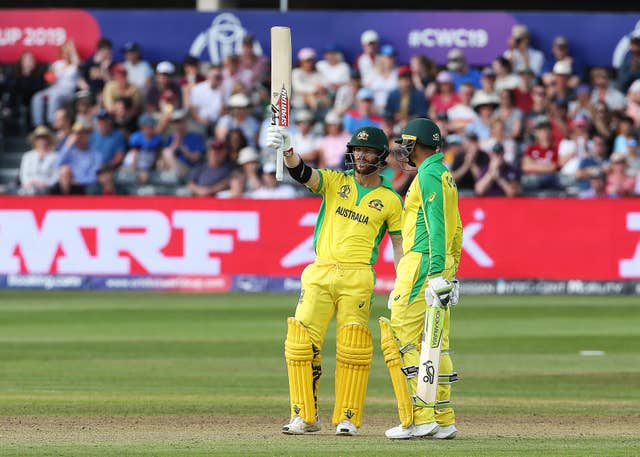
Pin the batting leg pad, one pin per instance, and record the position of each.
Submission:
(298, 352)
(393, 359)
(354, 350)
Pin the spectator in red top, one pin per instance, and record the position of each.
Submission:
(540, 161)
(523, 96)
(619, 182)
(250, 60)
(445, 97)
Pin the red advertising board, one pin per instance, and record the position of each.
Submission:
(503, 238)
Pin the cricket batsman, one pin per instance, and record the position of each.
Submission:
(358, 207)
(432, 234)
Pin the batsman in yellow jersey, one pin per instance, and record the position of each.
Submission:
(358, 208)
(425, 284)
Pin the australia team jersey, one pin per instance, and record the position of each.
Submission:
(431, 222)
(353, 219)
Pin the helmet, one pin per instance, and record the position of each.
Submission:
(422, 131)
(369, 137)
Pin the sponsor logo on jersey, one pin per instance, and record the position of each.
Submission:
(354, 216)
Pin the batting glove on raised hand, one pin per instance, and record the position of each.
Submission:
(455, 292)
(278, 138)
(438, 292)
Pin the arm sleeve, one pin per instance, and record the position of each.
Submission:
(394, 221)
(456, 248)
(327, 178)
(433, 207)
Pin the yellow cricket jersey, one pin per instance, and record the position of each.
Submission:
(431, 221)
(353, 219)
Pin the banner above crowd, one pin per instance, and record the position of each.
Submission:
(172, 34)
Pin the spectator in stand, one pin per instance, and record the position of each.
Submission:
(451, 149)
(62, 123)
(249, 162)
(581, 106)
(207, 98)
(539, 107)
(144, 148)
(110, 142)
(334, 70)
(511, 115)
(239, 117)
(321, 103)
(251, 60)
(572, 150)
(183, 150)
(405, 102)
(345, 99)
(460, 71)
(558, 115)
(384, 78)
(363, 115)
(304, 79)
(633, 103)
(365, 62)
(560, 52)
(237, 185)
(559, 89)
(96, 71)
(619, 181)
(626, 141)
(594, 164)
(540, 161)
(84, 107)
(331, 146)
(38, 167)
(462, 114)
(498, 178)
(604, 91)
(520, 52)
(603, 123)
(499, 135)
(78, 155)
(235, 79)
(488, 82)
(22, 84)
(444, 97)
(485, 106)
(629, 70)
(120, 87)
(191, 76)
(505, 78)
(139, 72)
(304, 138)
(270, 187)
(66, 184)
(162, 84)
(235, 141)
(211, 177)
(124, 117)
(469, 163)
(167, 105)
(523, 97)
(597, 186)
(423, 74)
(63, 77)
(105, 182)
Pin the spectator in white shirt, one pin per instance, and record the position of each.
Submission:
(38, 169)
(334, 70)
(331, 145)
(139, 72)
(304, 139)
(520, 52)
(239, 117)
(346, 95)
(271, 188)
(235, 78)
(207, 98)
(604, 91)
(384, 79)
(366, 61)
(305, 79)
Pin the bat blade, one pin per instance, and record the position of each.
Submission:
(280, 85)
(429, 369)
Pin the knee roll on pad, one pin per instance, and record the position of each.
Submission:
(299, 353)
(354, 350)
(393, 359)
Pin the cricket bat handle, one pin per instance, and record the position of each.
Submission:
(279, 165)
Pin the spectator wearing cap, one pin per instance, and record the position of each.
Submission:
(163, 83)
(510, 114)
(365, 62)
(190, 77)
(484, 105)
(460, 71)
(633, 103)
(251, 59)
(521, 53)
(620, 183)
(83, 106)
(95, 72)
(304, 79)
(38, 167)
(560, 53)
(462, 114)
(629, 70)
(540, 161)
(304, 138)
(406, 102)
(139, 72)
(498, 178)
(331, 145)
(238, 117)
(78, 155)
(445, 96)
(345, 98)
(120, 87)
(271, 188)
(144, 147)
(384, 78)
(207, 98)
(559, 88)
(249, 162)
(468, 163)
(334, 70)
(364, 114)
(183, 150)
(604, 91)
(105, 182)
(423, 74)
(110, 142)
(235, 79)
(211, 177)
(505, 78)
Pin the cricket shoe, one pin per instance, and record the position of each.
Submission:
(346, 428)
(447, 432)
(299, 427)
(413, 431)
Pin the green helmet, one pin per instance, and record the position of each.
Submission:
(423, 131)
(369, 137)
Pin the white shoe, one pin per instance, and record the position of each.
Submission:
(445, 433)
(299, 427)
(414, 431)
(346, 428)
(424, 430)
(399, 432)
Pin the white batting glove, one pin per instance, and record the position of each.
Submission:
(438, 293)
(455, 292)
(278, 138)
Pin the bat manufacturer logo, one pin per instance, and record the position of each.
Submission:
(344, 191)
(435, 338)
(349, 414)
(296, 409)
(429, 377)
(280, 111)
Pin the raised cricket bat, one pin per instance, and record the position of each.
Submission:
(429, 368)
(280, 85)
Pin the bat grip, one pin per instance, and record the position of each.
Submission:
(279, 165)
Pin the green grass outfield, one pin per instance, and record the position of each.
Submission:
(123, 374)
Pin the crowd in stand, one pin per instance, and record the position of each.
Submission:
(522, 125)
